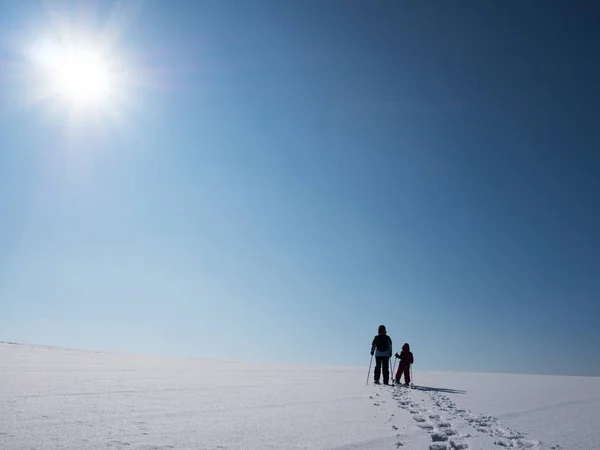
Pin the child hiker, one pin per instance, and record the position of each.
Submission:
(406, 359)
(382, 348)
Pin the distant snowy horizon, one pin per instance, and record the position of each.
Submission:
(364, 366)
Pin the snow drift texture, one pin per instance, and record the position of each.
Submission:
(54, 398)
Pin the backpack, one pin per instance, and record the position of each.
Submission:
(382, 342)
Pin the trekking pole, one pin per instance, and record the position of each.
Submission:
(369, 372)
(393, 374)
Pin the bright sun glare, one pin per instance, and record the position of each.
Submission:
(76, 70)
(81, 77)
(75, 65)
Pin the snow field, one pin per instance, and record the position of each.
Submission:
(53, 398)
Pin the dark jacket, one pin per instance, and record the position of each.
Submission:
(382, 345)
(406, 356)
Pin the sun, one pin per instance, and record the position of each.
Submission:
(73, 63)
(81, 76)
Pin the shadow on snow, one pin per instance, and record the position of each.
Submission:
(435, 389)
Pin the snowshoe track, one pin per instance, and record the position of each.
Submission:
(453, 428)
(443, 435)
(436, 414)
(502, 435)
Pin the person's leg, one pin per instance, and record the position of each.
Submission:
(377, 368)
(398, 374)
(407, 374)
(385, 361)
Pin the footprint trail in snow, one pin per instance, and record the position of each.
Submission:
(452, 428)
(443, 435)
(501, 434)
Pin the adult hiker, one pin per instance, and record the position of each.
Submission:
(382, 349)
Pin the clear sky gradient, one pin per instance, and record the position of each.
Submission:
(277, 178)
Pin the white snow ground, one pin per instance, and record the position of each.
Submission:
(53, 398)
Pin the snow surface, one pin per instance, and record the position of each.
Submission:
(53, 398)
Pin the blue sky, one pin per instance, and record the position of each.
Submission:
(282, 177)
